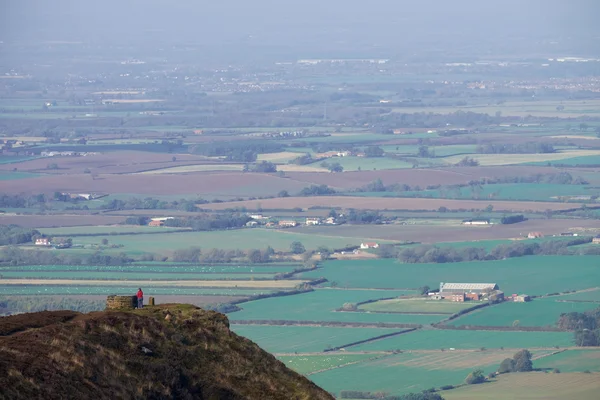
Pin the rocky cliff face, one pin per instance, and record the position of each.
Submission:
(163, 352)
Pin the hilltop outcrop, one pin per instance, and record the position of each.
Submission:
(162, 352)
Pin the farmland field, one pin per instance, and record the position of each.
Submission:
(104, 230)
(581, 160)
(310, 364)
(592, 295)
(539, 312)
(416, 306)
(438, 339)
(231, 239)
(368, 163)
(572, 361)
(321, 304)
(536, 386)
(125, 288)
(449, 230)
(409, 372)
(389, 204)
(290, 339)
(534, 275)
(283, 284)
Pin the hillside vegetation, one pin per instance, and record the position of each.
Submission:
(165, 352)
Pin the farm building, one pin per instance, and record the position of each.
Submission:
(330, 220)
(162, 219)
(251, 223)
(534, 235)
(313, 221)
(596, 240)
(287, 224)
(458, 297)
(473, 296)
(568, 234)
(521, 298)
(476, 222)
(42, 242)
(369, 245)
(448, 289)
(257, 216)
(156, 222)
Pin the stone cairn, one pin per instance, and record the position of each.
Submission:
(121, 302)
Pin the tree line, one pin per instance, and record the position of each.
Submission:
(586, 326)
(14, 234)
(436, 254)
(16, 256)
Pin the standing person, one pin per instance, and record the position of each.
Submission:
(140, 298)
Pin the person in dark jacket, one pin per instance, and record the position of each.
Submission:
(140, 298)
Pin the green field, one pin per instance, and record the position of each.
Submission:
(104, 230)
(532, 386)
(369, 163)
(290, 339)
(539, 312)
(140, 275)
(123, 289)
(592, 295)
(9, 176)
(534, 275)
(584, 160)
(408, 372)
(321, 304)
(572, 361)
(159, 267)
(257, 238)
(416, 306)
(446, 339)
(509, 191)
(310, 364)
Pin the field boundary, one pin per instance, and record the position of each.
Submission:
(324, 324)
(370, 340)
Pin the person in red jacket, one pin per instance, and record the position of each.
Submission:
(140, 298)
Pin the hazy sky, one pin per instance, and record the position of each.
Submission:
(317, 23)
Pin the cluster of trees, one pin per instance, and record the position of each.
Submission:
(316, 190)
(333, 167)
(210, 222)
(22, 201)
(263, 166)
(374, 151)
(521, 362)
(435, 254)
(362, 217)
(586, 326)
(512, 219)
(242, 151)
(149, 203)
(16, 256)
(14, 234)
(467, 162)
(475, 377)
(523, 148)
(216, 256)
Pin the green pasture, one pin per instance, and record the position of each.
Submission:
(467, 339)
(256, 238)
(160, 267)
(369, 163)
(539, 312)
(572, 161)
(534, 275)
(507, 191)
(572, 361)
(50, 289)
(403, 373)
(14, 175)
(15, 159)
(290, 339)
(104, 230)
(320, 305)
(592, 296)
(416, 306)
(307, 365)
(127, 276)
